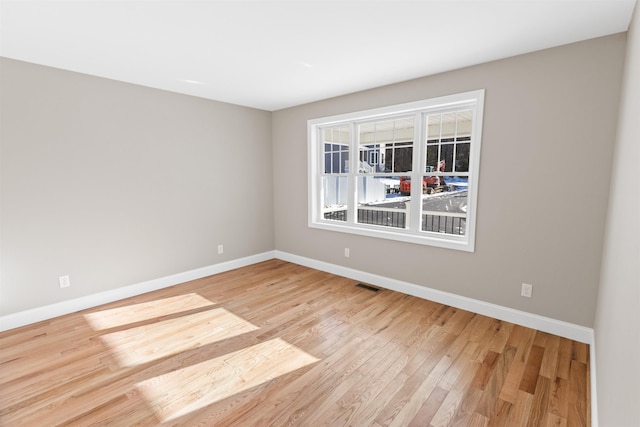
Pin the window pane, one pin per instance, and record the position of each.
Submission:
(444, 209)
(446, 156)
(344, 162)
(462, 157)
(336, 141)
(448, 124)
(380, 201)
(464, 120)
(403, 130)
(402, 157)
(334, 200)
(448, 140)
(433, 125)
(384, 131)
(432, 158)
(367, 133)
(386, 145)
(327, 137)
(337, 135)
(369, 159)
(335, 162)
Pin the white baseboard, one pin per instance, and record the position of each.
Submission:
(27, 317)
(592, 378)
(541, 323)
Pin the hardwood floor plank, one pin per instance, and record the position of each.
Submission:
(563, 363)
(452, 405)
(348, 398)
(511, 386)
(366, 408)
(499, 340)
(531, 370)
(420, 384)
(577, 414)
(454, 362)
(466, 410)
(559, 397)
(549, 363)
(555, 421)
(522, 339)
(277, 344)
(519, 414)
(483, 374)
(540, 403)
(429, 408)
(500, 414)
(580, 352)
(490, 401)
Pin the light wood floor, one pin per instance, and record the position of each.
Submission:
(277, 344)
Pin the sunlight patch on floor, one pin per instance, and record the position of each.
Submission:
(147, 343)
(178, 393)
(129, 314)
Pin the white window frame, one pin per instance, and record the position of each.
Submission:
(473, 100)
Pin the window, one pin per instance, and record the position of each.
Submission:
(406, 172)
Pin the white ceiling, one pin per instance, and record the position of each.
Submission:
(276, 54)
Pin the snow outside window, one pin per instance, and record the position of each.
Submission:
(406, 172)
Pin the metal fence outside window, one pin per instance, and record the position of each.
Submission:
(448, 224)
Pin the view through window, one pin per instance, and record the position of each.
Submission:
(363, 166)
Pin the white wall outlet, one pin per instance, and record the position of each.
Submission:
(527, 290)
(347, 253)
(220, 249)
(64, 281)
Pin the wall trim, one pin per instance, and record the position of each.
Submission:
(522, 318)
(592, 383)
(26, 317)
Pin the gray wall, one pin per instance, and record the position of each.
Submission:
(549, 128)
(114, 184)
(617, 326)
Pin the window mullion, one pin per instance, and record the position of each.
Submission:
(416, 174)
(354, 157)
(317, 165)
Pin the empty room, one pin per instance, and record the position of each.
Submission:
(340, 213)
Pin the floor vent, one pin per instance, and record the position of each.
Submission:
(367, 287)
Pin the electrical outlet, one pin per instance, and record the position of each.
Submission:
(527, 290)
(347, 253)
(220, 249)
(64, 281)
